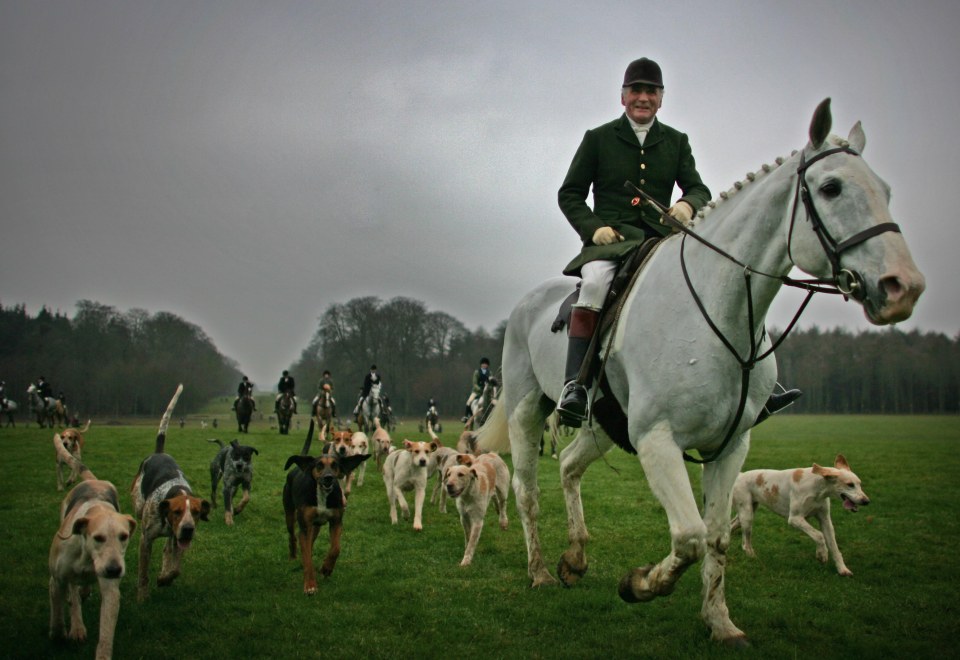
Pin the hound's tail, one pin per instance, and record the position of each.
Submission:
(85, 428)
(306, 443)
(494, 435)
(433, 436)
(165, 421)
(71, 460)
(218, 441)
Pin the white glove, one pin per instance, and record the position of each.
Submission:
(606, 236)
(682, 212)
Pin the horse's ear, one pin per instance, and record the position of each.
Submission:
(856, 138)
(820, 124)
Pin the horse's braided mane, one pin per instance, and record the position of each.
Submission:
(753, 176)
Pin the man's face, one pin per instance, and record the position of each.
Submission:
(641, 102)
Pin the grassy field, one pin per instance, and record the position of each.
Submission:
(397, 593)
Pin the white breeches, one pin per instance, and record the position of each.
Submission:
(596, 278)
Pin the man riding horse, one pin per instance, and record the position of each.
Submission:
(634, 145)
(286, 385)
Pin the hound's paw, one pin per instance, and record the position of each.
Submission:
(845, 572)
(78, 633)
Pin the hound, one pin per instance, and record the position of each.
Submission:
(381, 443)
(234, 463)
(361, 445)
(474, 481)
(341, 444)
(796, 495)
(467, 443)
(312, 497)
(408, 470)
(72, 440)
(443, 457)
(91, 544)
(165, 506)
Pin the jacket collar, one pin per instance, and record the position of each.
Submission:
(625, 132)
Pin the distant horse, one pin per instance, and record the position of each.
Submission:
(60, 415)
(687, 360)
(8, 407)
(284, 412)
(370, 409)
(41, 407)
(245, 408)
(484, 404)
(323, 408)
(431, 421)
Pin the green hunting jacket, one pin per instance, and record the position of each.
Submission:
(608, 156)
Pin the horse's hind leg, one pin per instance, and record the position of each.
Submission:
(589, 445)
(526, 424)
(663, 465)
(718, 480)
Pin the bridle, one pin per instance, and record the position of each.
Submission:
(843, 281)
(848, 283)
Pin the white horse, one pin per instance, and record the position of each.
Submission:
(679, 381)
(41, 406)
(370, 409)
(7, 408)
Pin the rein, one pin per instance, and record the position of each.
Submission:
(843, 282)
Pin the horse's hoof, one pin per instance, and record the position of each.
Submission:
(542, 579)
(568, 573)
(736, 642)
(629, 593)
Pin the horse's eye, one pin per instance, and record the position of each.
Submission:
(831, 189)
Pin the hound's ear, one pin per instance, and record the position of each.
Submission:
(821, 123)
(80, 525)
(302, 462)
(857, 138)
(826, 473)
(204, 510)
(234, 443)
(132, 522)
(841, 463)
(433, 446)
(164, 507)
(473, 473)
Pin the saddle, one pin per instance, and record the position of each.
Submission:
(606, 409)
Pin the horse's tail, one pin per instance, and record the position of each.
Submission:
(494, 435)
(66, 457)
(165, 421)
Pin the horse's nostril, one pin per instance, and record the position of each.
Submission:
(892, 287)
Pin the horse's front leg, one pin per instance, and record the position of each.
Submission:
(525, 427)
(589, 445)
(662, 462)
(718, 481)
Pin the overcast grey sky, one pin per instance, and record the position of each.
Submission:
(247, 164)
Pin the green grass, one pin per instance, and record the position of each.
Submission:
(396, 593)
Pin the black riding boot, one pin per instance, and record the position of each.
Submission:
(777, 402)
(572, 407)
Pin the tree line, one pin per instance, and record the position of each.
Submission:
(124, 363)
(419, 354)
(108, 362)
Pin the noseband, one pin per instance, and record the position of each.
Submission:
(848, 282)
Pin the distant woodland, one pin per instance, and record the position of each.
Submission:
(109, 362)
